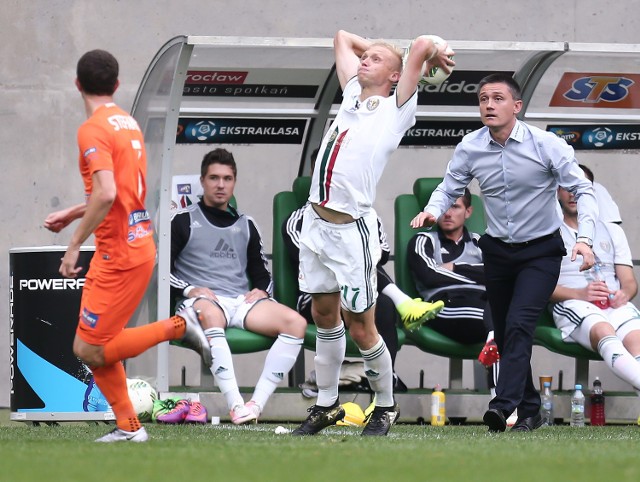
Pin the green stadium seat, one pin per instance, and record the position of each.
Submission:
(405, 208)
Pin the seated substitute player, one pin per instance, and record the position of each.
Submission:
(608, 211)
(218, 267)
(446, 265)
(595, 313)
(391, 299)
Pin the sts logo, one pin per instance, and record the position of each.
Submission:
(597, 137)
(201, 131)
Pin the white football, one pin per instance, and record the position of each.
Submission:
(434, 75)
(142, 396)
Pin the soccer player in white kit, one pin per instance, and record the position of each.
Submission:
(339, 245)
(613, 328)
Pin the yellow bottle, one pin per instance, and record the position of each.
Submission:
(437, 407)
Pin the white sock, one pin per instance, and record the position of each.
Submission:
(280, 359)
(621, 362)
(395, 293)
(490, 336)
(331, 345)
(222, 368)
(377, 367)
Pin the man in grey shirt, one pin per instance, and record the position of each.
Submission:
(519, 168)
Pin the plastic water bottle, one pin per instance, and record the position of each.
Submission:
(577, 407)
(437, 407)
(546, 409)
(598, 276)
(597, 403)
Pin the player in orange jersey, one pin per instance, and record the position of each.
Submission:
(113, 165)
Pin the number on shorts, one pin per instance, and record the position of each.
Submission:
(350, 295)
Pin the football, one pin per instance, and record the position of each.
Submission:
(435, 75)
(142, 396)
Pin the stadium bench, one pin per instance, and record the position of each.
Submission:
(546, 333)
(285, 275)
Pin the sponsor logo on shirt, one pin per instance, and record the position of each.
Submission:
(223, 250)
(139, 222)
(87, 154)
(138, 216)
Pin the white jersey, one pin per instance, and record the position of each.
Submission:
(610, 247)
(607, 207)
(356, 148)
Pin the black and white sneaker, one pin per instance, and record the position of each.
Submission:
(319, 418)
(194, 337)
(381, 420)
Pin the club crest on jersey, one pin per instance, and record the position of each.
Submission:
(372, 104)
(333, 136)
(606, 246)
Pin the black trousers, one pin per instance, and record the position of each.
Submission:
(519, 281)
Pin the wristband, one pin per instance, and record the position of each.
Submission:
(187, 290)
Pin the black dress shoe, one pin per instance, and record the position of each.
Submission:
(495, 420)
(527, 424)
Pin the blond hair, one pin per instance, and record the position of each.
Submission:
(397, 53)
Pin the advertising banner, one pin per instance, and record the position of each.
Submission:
(46, 377)
(601, 90)
(240, 131)
(438, 133)
(600, 137)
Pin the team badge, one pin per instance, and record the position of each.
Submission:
(372, 104)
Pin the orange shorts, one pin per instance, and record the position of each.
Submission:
(109, 300)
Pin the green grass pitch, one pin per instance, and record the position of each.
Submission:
(226, 453)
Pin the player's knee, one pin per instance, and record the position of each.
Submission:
(600, 330)
(90, 355)
(294, 324)
(359, 332)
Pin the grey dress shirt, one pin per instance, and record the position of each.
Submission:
(518, 182)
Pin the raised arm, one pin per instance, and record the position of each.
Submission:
(348, 49)
(423, 49)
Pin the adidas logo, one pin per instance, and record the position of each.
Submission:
(278, 375)
(220, 370)
(223, 250)
(371, 373)
(614, 358)
(196, 224)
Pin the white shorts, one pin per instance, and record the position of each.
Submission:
(340, 258)
(235, 309)
(575, 318)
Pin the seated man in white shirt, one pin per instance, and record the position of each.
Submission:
(593, 308)
(607, 207)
